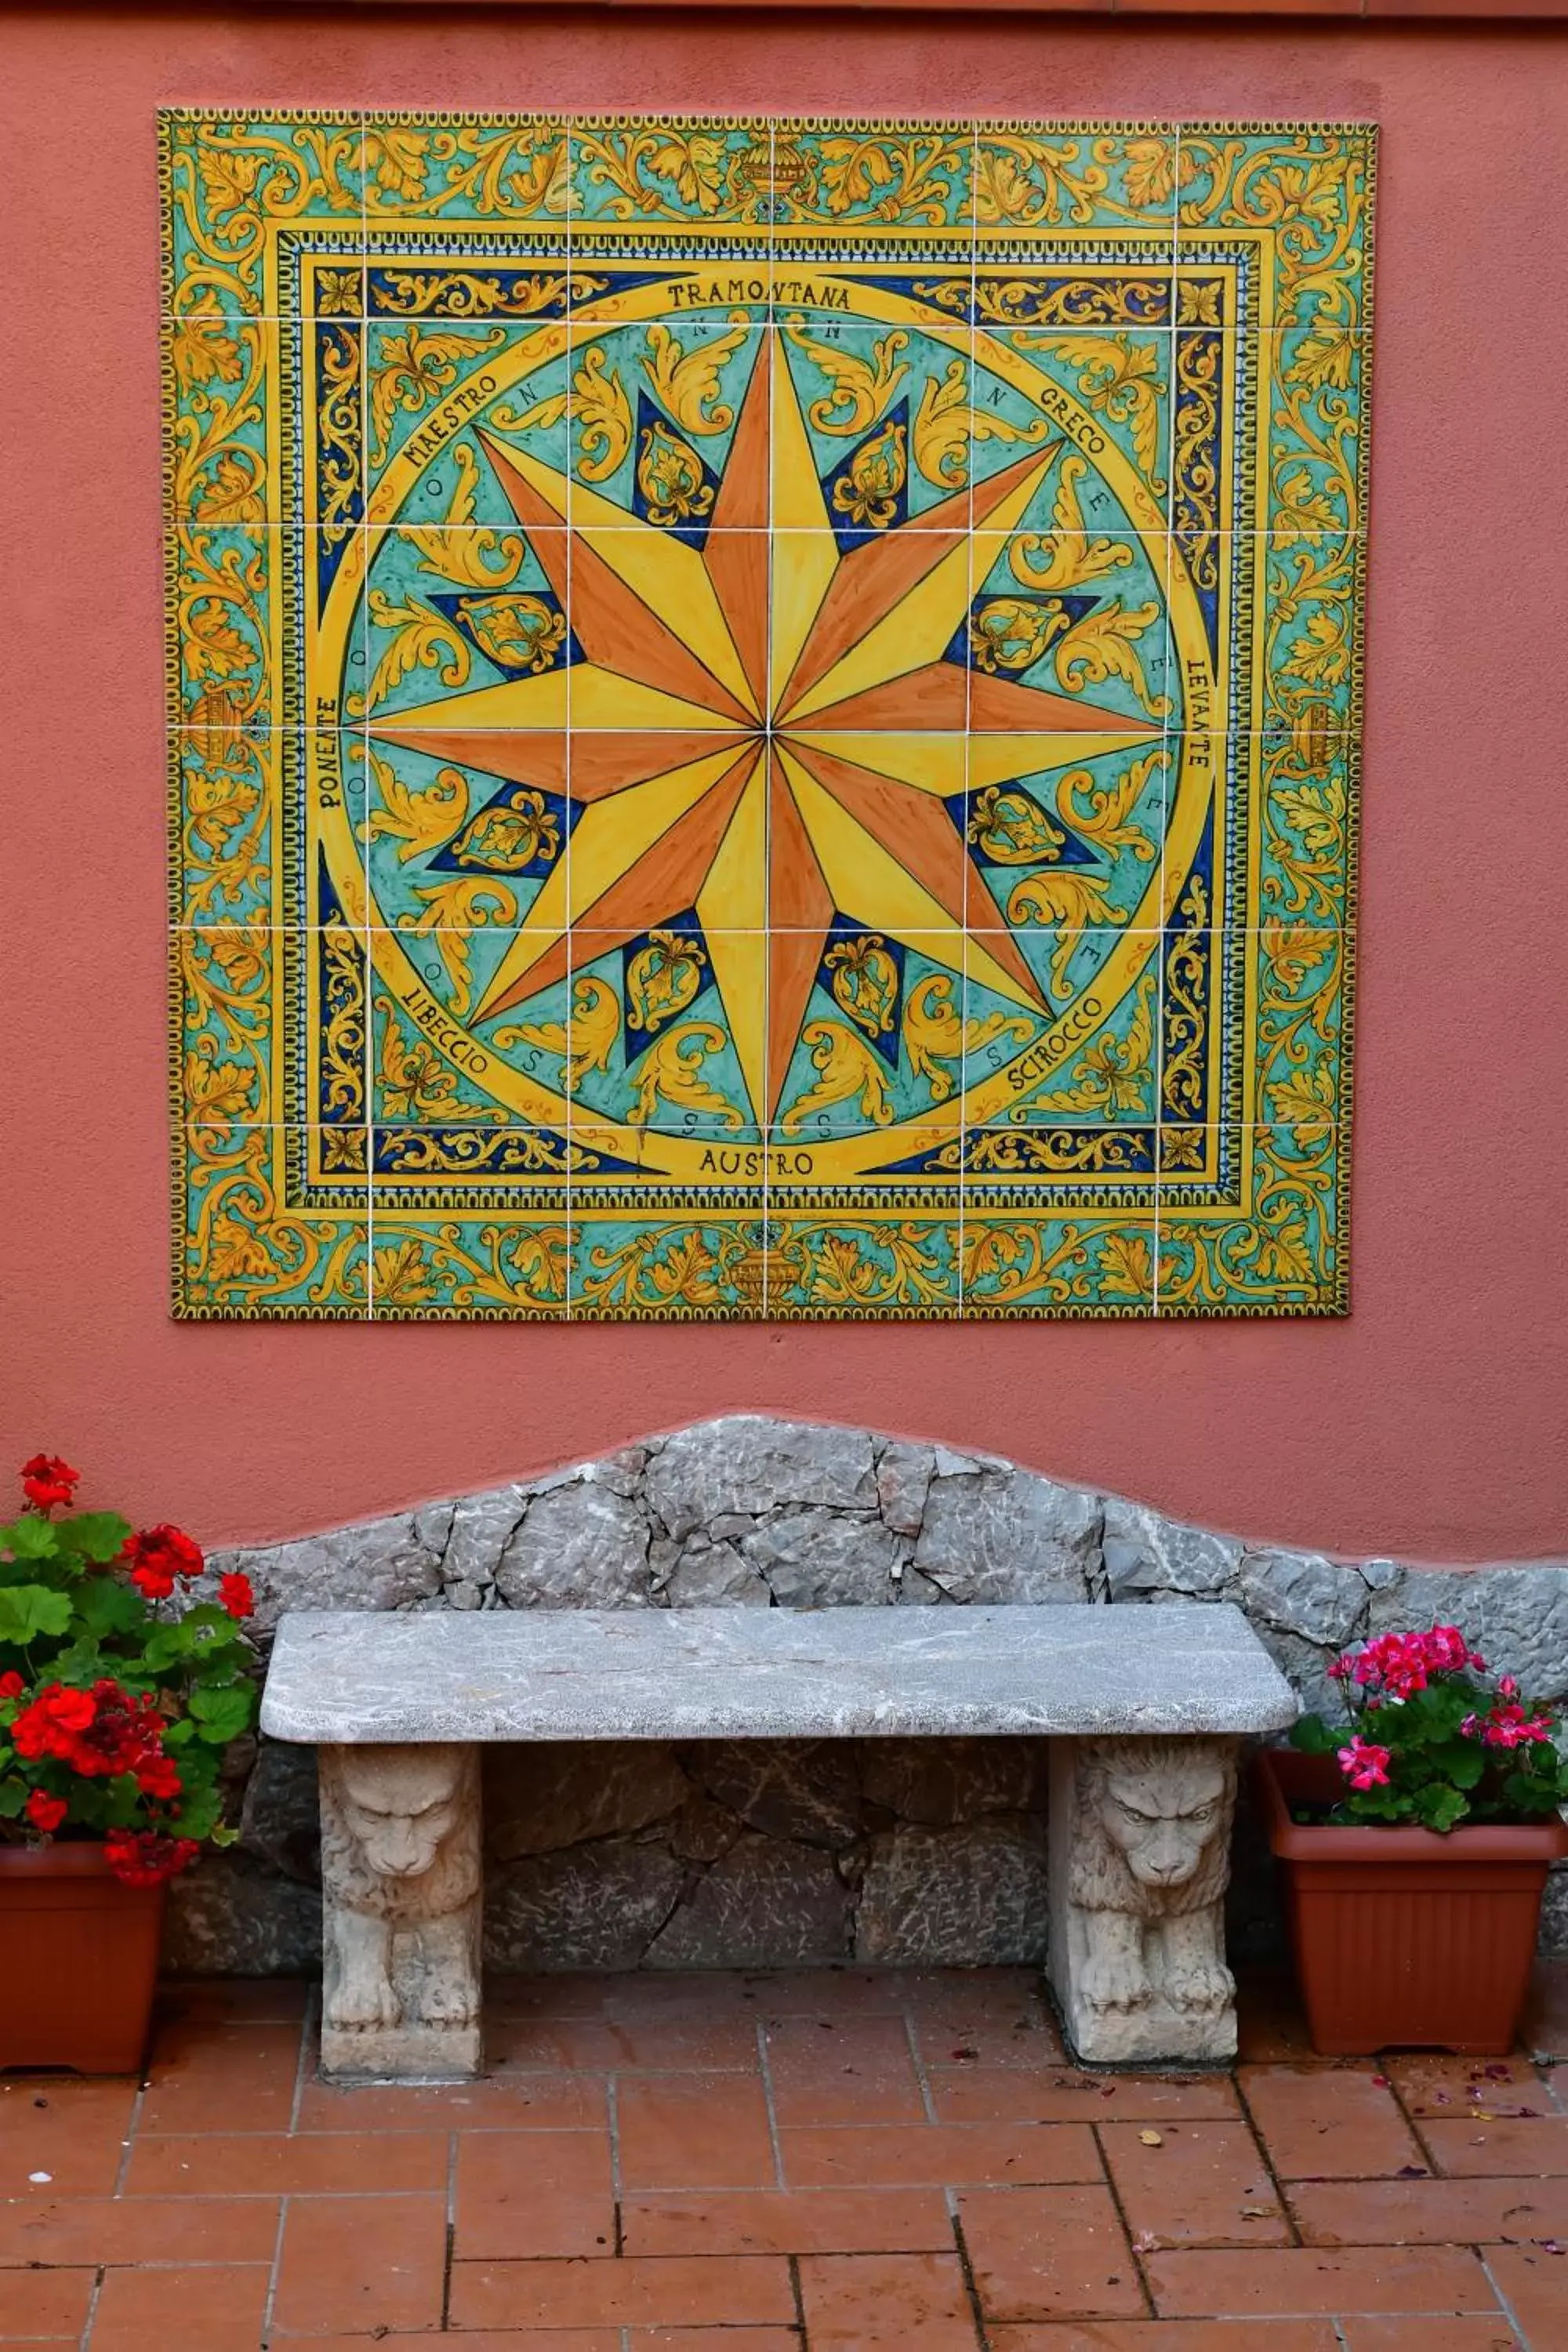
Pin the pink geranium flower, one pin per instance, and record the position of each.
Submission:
(1364, 1764)
(1509, 1726)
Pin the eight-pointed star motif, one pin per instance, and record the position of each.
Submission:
(764, 729)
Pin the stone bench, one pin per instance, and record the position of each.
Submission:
(1145, 1708)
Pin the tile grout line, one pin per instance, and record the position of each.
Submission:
(966, 2270)
(1120, 2210)
(1169, 752)
(1259, 2141)
(798, 2291)
(448, 2251)
(127, 2146)
(918, 2062)
(276, 2274)
(1503, 2303)
(613, 2124)
(301, 2062)
(87, 2326)
(765, 2067)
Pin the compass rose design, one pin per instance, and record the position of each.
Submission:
(764, 728)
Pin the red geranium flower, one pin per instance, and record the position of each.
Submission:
(159, 1778)
(234, 1592)
(45, 1812)
(143, 1858)
(46, 1480)
(156, 1557)
(11, 1686)
(50, 1725)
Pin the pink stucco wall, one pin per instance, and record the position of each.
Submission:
(1433, 1423)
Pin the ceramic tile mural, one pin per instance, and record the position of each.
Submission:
(763, 714)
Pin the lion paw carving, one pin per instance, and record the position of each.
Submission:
(400, 1866)
(1149, 1860)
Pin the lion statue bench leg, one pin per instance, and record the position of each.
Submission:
(1140, 1857)
(401, 1913)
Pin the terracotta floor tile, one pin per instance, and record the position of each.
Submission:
(565, 2340)
(73, 2131)
(286, 2164)
(1003, 2155)
(1328, 2122)
(552, 1996)
(972, 1993)
(485, 2340)
(675, 2044)
(1501, 2144)
(1429, 2335)
(1533, 2284)
(1019, 2039)
(234, 2000)
(1284, 2282)
(156, 2310)
(1390, 2266)
(851, 2071)
(350, 2264)
(1202, 2185)
(1432, 2083)
(514, 2102)
(830, 1992)
(703, 2339)
(50, 2304)
(1049, 2253)
(634, 1997)
(693, 2131)
(1428, 2212)
(695, 2291)
(998, 2023)
(884, 2303)
(976, 2094)
(534, 2193)
(789, 2222)
(1171, 2335)
(139, 2230)
(221, 2078)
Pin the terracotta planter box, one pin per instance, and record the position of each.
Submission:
(79, 1960)
(1403, 1939)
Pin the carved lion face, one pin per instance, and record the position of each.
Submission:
(400, 1803)
(1163, 1818)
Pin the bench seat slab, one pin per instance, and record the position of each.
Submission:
(770, 1673)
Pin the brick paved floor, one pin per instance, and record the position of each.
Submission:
(837, 2162)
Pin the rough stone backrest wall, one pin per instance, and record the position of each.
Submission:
(755, 1853)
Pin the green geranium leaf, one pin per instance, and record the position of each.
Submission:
(29, 1610)
(1313, 1736)
(94, 1535)
(165, 1648)
(224, 1713)
(12, 1797)
(105, 1606)
(1439, 1808)
(30, 1538)
(1460, 1760)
